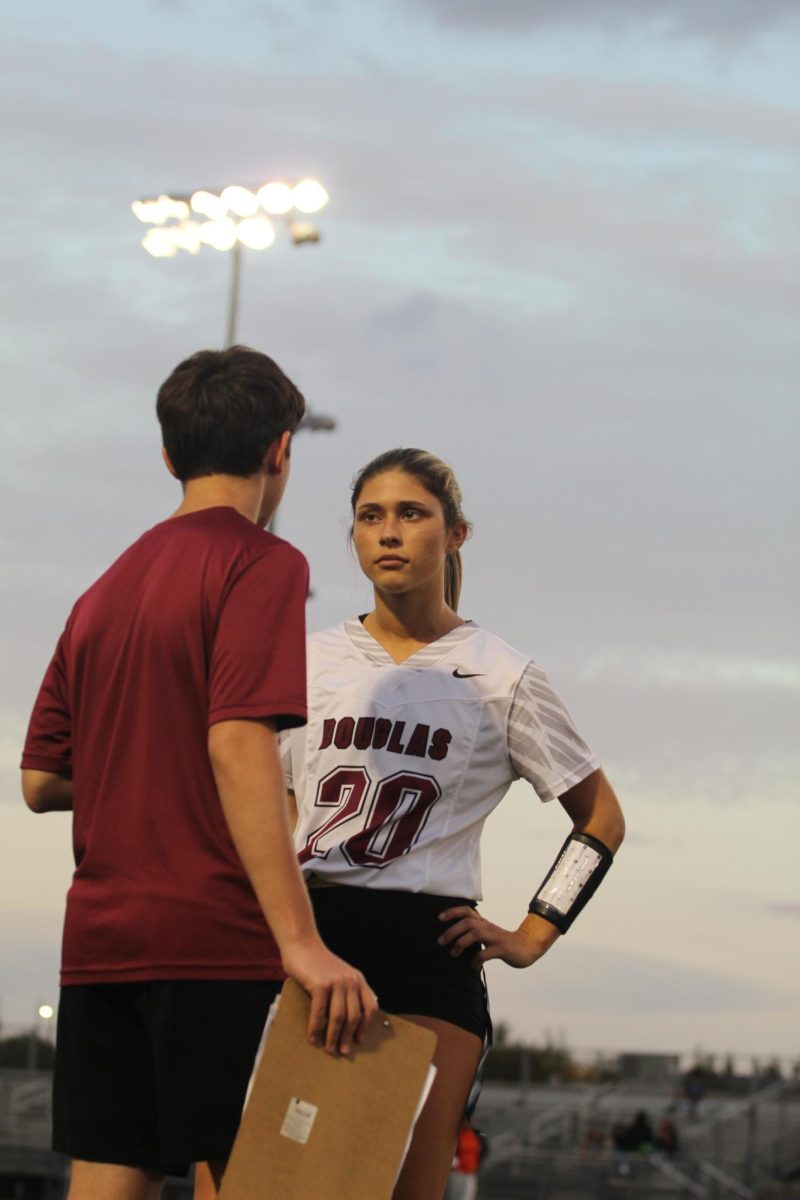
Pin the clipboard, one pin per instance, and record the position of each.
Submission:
(319, 1127)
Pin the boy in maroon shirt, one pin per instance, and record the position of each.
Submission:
(157, 724)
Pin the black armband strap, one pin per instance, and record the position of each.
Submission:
(572, 880)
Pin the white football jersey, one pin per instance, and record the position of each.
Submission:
(400, 764)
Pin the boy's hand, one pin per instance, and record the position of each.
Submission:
(342, 1002)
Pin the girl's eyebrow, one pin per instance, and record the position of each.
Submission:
(373, 504)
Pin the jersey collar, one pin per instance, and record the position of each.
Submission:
(426, 656)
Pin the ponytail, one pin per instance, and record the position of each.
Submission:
(452, 579)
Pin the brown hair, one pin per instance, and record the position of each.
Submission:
(437, 478)
(220, 410)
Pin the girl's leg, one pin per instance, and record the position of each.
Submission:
(100, 1181)
(206, 1184)
(427, 1165)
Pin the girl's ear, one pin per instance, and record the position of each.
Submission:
(457, 536)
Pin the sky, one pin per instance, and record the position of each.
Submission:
(561, 251)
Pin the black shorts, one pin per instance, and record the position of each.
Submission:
(154, 1075)
(391, 937)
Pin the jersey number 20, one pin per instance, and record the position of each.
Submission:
(396, 816)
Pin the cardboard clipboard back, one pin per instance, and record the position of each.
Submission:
(356, 1112)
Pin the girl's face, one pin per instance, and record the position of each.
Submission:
(400, 534)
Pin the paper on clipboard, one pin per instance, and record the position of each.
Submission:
(324, 1126)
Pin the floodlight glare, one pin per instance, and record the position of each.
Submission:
(157, 212)
(159, 243)
(46, 1012)
(275, 198)
(219, 234)
(256, 232)
(239, 200)
(230, 219)
(207, 205)
(186, 236)
(176, 210)
(148, 211)
(309, 196)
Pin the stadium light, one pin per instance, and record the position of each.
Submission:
(228, 219)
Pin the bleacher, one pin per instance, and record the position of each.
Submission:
(554, 1141)
(544, 1144)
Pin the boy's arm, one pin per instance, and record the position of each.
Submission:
(47, 754)
(45, 791)
(249, 777)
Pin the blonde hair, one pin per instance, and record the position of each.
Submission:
(437, 478)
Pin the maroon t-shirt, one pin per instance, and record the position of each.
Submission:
(201, 620)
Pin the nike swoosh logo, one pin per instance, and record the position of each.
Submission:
(458, 675)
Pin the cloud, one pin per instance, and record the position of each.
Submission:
(786, 908)
(695, 670)
(622, 982)
(655, 110)
(719, 21)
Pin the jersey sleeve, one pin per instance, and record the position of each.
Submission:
(285, 747)
(543, 744)
(258, 659)
(48, 744)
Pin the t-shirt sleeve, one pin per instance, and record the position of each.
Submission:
(48, 744)
(258, 658)
(543, 744)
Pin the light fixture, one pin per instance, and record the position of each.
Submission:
(239, 200)
(309, 196)
(207, 205)
(303, 231)
(221, 234)
(275, 198)
(256, 232)
(227, 220)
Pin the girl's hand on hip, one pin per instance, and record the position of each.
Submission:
(518, 947)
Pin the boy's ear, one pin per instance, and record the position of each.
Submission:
(168, 462)
(278, 454)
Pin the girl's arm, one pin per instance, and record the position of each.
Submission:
(594, 809)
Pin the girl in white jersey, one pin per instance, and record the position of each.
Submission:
(418, 723)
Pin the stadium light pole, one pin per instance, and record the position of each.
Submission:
(44, 1013)
(228, 219)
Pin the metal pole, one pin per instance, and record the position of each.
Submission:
(233, 308)
(751, 1145)
(782, 1141)
(32, 1049)
(716, 1154)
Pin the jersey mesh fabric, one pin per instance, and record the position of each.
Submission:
(201, 620)
(401, 763)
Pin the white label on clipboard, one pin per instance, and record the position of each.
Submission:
(299, 1120)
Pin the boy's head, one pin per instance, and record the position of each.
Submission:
(220, 410)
